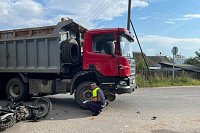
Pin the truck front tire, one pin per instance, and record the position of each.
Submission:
(82, 93)
(17, 89)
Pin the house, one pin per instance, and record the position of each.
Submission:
(194, 70)
(152, 61)
(181, 67)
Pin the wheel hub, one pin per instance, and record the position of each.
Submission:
(87, 94)
(15, 90)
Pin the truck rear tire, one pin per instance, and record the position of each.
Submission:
(2, 89)
(70, 52)
(83, 93)
(17, 89)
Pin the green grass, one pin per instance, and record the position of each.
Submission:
(162, 81)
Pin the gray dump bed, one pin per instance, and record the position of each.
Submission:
(33, 50)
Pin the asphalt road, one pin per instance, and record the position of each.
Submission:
(149, 110)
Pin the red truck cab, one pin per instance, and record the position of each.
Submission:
(108, 53)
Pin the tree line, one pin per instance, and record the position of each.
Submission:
(194, 60)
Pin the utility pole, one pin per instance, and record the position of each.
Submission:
(129, 15)
(140, 48)
(129, 24)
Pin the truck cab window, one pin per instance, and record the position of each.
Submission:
(100, 43)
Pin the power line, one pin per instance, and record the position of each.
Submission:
(103, 9)
(98, 5)
(99, 12)
(94, 11)
(140, 46)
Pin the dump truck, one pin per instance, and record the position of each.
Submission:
(66, 58)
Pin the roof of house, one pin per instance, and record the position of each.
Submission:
(183, 66)
(155, 60)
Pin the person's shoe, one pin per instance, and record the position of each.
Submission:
(95, 114)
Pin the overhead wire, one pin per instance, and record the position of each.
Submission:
(101, 6)
(94, 12)
(99, 12)
(98, 5)
(120, 13)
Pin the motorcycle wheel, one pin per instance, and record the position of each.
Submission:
(7, 122)
(42, 107)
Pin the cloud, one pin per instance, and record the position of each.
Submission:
(170, 22)
(21, 13)
(192, 16)
(186, 46)
(143, 18)
(169, 41)
(25, 13)
(186, 17)
(92, 10)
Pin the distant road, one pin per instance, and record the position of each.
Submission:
(149, 110)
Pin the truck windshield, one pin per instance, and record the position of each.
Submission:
(126, 46)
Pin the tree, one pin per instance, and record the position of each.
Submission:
(195, 60)
(191, 61)
(198, 55)
(141, 65)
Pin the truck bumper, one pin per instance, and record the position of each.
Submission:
(126, 89)
(127, 85)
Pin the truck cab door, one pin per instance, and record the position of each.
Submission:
(98, 56)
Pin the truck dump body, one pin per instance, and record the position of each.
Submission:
(33, 50)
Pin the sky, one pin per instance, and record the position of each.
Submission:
(160, 24)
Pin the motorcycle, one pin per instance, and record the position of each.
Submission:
(16, 112)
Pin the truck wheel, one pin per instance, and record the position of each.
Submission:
(17, 89)
(111, 97)
(70, 52)
(2, 89)
(83, 93)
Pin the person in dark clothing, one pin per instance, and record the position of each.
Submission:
(97, 101)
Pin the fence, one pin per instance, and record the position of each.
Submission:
(166, 73)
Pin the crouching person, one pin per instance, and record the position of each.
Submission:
(97, 101)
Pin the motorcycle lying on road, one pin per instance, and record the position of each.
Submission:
(16, 112)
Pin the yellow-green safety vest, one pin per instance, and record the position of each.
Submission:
(94, 92)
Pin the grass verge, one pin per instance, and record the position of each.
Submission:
(162, 81)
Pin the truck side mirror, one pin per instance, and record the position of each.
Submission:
(110, 47)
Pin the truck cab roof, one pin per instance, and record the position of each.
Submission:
(120, 30)
(109, 30)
